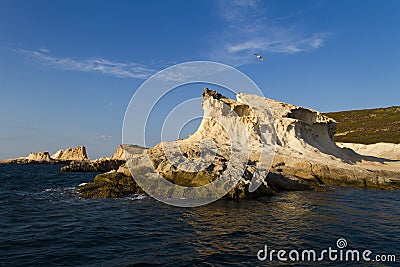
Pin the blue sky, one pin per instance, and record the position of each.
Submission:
(69, 68)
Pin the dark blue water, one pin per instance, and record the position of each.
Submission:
(44, 222)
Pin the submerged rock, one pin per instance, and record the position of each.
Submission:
(306, 156)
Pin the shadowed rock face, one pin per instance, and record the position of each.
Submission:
(306, 157)
(112, 184)
(98, 165)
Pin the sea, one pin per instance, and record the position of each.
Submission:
(44, 222)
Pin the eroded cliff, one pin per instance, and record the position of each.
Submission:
(306, 157)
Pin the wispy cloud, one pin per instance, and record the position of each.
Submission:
(189, 72)
(100, 65)
(44, 50)
(251, 29)
(104, 137)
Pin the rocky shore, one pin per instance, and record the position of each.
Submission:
(102, 164)
(306, 157)
(60, 157)
(98, 165)
(76, 159)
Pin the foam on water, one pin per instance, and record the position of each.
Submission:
(136, 197)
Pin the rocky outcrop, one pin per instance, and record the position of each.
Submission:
(112, 184)
(41, 156)
(69, 154)
(306, 153)
(306, 157)
(60, 157)
(119, 154)
(98, 165)
(103, 164)
(32, 158)
(117, 181)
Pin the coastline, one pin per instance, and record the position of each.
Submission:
(306, 157)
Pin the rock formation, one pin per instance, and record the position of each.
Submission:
(97, 165)
(117, 181)
(102, 164)
(77, 159)
(78, 153)
(60, 157)
(40, 156)
(111, 184)
(119, 154)
(306, 156)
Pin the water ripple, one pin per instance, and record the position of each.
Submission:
(44, 222)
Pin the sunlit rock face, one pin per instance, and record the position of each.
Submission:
(103, 164)
(306, 156)
(61, 156)
(77, 153)
(40, 156)
(381, 150)
(119, 153)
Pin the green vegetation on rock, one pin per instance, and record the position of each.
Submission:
(368, 126)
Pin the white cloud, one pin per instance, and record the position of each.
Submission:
(236, 11)
(44, 50)
(103, 137)
(189, 72)
(287, 46)
(317, 43)
(245, 3)
(113, 68)
(248, 45)
(250, 29)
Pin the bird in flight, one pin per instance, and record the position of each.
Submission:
(259, 56)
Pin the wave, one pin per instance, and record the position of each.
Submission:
(136, 197)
